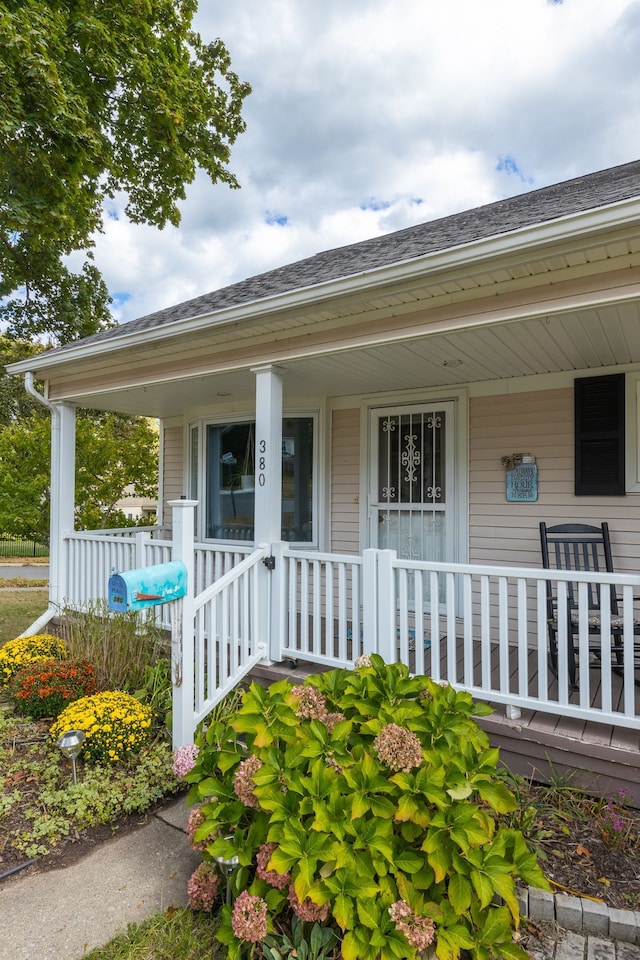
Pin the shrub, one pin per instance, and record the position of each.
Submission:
(116, 725)
(45, 688)
(22, 651)
(373, 796)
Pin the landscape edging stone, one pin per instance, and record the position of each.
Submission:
(580, 915)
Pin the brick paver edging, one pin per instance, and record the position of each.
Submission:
(580, 915)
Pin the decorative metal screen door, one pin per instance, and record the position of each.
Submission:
(412, 480)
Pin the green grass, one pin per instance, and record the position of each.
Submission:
(19, 609)
(174, 935)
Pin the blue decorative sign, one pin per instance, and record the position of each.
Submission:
(522, 483)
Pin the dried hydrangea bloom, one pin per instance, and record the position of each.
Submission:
(398, 748)
(419, 931)
(307, 911)
(243, 782)
(272, 877)
(249, 918)
(362, 661)
(184, 759)
(332, 719)
(310, 703)
(196, 818)
(203, 886)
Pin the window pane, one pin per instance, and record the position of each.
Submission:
(231, 481)
(297, 479)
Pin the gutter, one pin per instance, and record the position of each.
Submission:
(530, 238)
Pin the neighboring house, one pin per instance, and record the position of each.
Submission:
(364, 399)
(137, 508)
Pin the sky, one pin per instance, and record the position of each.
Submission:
(371, 115)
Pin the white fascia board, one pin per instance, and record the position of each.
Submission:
(527, 238)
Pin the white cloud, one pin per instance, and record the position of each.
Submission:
(370, 116)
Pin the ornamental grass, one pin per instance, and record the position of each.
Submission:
(116, 725)
(45, 688)
(22, 651)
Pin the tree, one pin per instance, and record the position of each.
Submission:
(15, 402)
(99, 97)
(112, 453)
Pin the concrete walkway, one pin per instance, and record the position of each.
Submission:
(62, 914)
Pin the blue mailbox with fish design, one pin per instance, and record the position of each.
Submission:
(147, 586)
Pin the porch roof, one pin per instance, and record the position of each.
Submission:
(552, 260)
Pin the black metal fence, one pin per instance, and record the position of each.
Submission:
(11, 547)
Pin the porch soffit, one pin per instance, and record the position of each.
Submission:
(580, 340)
(507, 292)
(560, 263)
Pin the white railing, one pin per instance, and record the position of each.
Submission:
(490, 636)
(481, 628)
(323, 607)
(92, 556)
(231, 620)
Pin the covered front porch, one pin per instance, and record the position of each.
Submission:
(277, 610)
(390, 381)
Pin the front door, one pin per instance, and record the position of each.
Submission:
(411, 493)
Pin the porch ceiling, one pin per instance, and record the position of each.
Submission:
(579, 340)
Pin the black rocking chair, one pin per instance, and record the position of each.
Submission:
(581, 547)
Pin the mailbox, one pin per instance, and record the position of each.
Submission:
(147, 586)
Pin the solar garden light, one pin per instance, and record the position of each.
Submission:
(71, 744)
(228, 866)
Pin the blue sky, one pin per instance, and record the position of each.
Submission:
(371, 115)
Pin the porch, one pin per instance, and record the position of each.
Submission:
(277, 610)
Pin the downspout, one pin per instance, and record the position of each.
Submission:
(51, 610)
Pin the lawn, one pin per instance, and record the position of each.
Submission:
(19, 609)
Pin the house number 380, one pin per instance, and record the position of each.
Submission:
(262, 462)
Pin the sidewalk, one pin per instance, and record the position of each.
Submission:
(61, 914)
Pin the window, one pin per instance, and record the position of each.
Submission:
(230, 479)
(600, 436)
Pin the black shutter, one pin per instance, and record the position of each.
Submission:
(599, 436)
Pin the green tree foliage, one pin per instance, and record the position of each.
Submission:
(15, 402)
(112, 452)
(99, 97)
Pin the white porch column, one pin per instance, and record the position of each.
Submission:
(268, 495)
(63, 471)
(268, 456)
(182, 627)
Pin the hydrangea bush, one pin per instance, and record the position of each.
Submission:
(23, 651)
(364, 800)
(45, 687)
(116, 725)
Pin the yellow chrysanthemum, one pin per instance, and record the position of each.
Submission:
(116, 725)
(17, 653)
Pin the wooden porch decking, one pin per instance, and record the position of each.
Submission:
(599, 757)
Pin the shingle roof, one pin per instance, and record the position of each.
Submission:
(588, 192)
